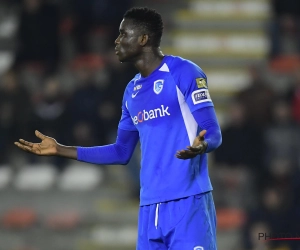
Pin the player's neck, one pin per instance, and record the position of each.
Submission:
(149, 61)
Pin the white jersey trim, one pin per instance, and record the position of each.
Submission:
(189, 120)
(164, 68)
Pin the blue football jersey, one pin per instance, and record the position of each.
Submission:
(160, 108)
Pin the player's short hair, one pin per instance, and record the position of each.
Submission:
(149, 20)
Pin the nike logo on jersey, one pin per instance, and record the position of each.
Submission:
(134, 95)
(136, 88)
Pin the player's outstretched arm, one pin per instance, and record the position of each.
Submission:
(48, 146)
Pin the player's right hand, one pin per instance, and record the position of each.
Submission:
(48, 145)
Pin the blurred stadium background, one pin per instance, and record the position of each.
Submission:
(58, 74)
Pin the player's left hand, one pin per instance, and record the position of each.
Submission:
(199, 146)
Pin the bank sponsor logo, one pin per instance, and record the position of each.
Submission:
(145, 115)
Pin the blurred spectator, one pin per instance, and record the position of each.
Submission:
(273, 217)
(238, 160)
(242, 142)
(49, 113)
(38, 34)
(285, 31)
(49, 109)
(277, 189)
(282, 140)
(15, 108)
(234, 187)
(257, 99)
(83, 105)
(294, 95)
(83, 133)
(94, 16)
(253, 241)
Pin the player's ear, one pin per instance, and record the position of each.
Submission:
(143, 39)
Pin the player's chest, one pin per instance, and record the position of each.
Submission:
(144, 94)
(151, 100)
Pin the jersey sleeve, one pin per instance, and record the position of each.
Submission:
(125, 122)
(206, 118)
(118, 153)
(193, 84)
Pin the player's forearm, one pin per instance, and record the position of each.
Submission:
(67, 151)
(104, 155)
(206, 119)
(117, 153)
(213, 139)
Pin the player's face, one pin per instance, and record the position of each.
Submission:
(127, 44)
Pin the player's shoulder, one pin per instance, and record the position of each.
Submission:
(130, 84)
(133, 80)
(181, 67)
(182, 64)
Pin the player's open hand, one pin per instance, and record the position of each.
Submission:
(48, 145)
(199, 146)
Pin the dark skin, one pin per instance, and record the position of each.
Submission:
(132, 45)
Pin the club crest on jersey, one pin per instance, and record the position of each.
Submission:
(158, 86)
